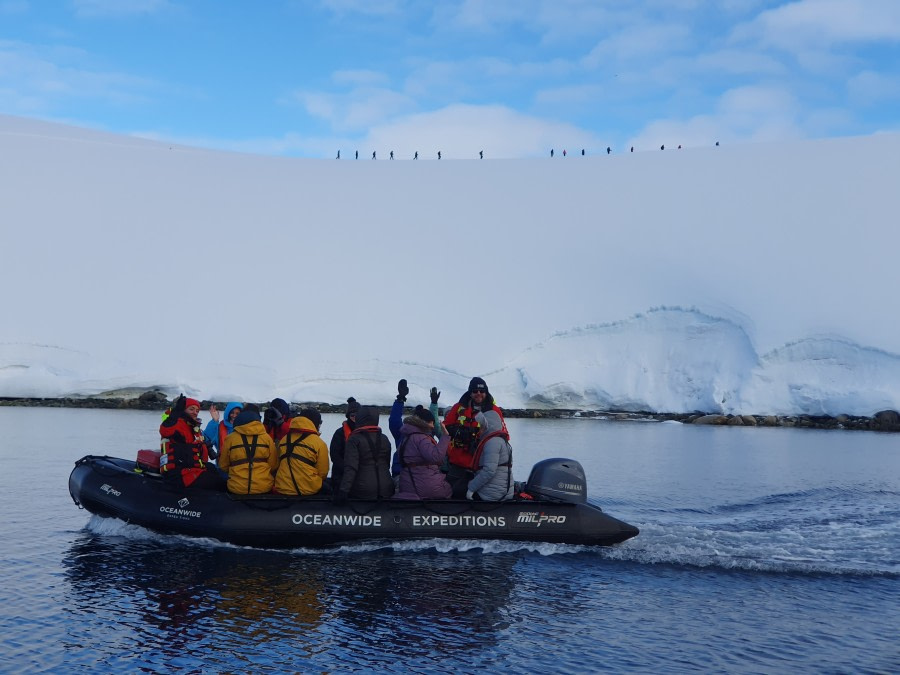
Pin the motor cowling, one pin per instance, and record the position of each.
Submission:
(558, 479)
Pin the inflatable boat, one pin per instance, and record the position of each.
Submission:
(551, 507)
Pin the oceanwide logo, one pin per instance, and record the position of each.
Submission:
(182, 511)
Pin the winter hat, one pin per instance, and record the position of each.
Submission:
(253, 407)
(477, 384)
(312, 415)
(188, 402)
(281, 406)
(247, 415)
(423, 414)
(352, 407)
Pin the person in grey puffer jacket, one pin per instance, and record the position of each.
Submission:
(493, 480)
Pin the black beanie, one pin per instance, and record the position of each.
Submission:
(477, 384)
(281, 406)
(423, 414)
(352, 407)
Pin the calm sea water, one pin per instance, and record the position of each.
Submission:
(761, 550)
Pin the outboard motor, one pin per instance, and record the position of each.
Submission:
(559, 480)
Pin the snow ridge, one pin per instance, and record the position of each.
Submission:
(668, 359)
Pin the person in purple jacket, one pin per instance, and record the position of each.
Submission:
(421, 458)
(395, 421)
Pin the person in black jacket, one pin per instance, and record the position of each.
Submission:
(367, 461)
(339, 441)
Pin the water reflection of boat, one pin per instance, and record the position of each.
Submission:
(558, 511)
(185, 606)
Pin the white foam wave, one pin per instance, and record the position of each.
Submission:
(834, 549)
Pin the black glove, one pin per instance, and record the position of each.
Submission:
(176, 411)
(273, 418)
(435, 394)
(402, 390)
(213, 454)
(339, 498)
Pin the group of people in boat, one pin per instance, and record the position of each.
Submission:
(465, 456)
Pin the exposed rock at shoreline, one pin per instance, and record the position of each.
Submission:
(886, 420)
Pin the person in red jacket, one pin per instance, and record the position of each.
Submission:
(185, 457)
(463, 429)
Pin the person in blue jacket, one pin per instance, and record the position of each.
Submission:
(220, 426)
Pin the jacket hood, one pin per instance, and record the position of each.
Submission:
(417, 424)
(301, 423)
(228, 409)
(367, 417)
(489, 421)
(246, 415)
(231, 406)
(250, 428)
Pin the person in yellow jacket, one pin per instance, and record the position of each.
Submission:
(303, 457)
(249, 455)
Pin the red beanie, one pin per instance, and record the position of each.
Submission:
(188, 402)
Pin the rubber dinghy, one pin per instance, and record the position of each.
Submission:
(558, 511)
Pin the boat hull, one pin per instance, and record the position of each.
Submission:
(111, 487)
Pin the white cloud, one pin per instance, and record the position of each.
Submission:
(638, 42)
(366, 7)
(551, 21)
(14, 7)
(34, 79)
(757, 113)
(481, 78)
(357, 109)
(460, 131)
(737, 62)
(119, 8)
(360, 78)
(578, 94)
(826, 22)
(871, 87)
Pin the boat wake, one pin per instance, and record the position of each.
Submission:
(831, 530)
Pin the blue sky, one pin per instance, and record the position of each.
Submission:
(511, 77)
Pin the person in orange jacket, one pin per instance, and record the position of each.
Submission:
(185, 457)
